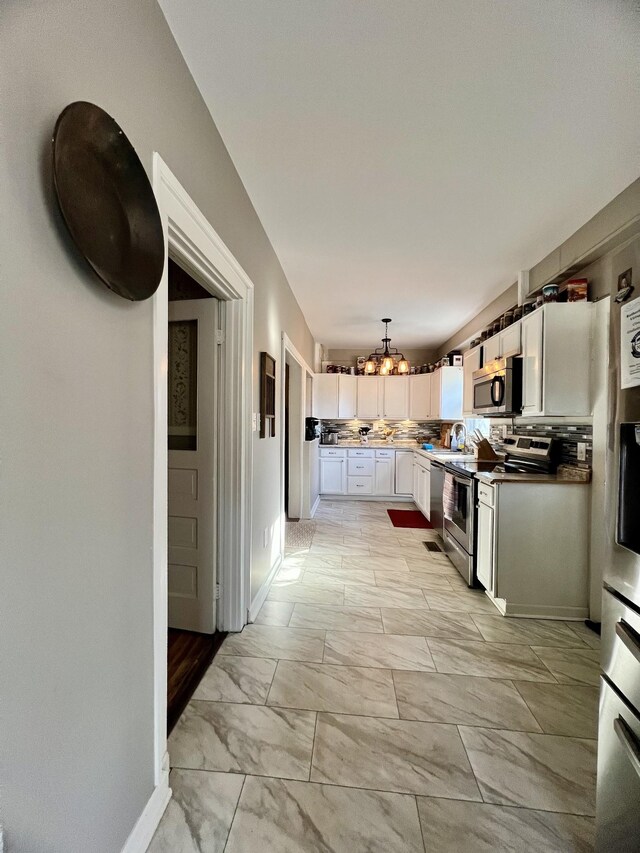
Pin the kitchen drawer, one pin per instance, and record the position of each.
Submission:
(621, 646)
(360, 485)
(618, 778)
(360, 467)
(385, 454)
(361, 453)
(333, 452)
(486, 493)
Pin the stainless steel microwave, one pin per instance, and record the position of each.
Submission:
(497, 388)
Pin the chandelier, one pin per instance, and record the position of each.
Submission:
(384, 360)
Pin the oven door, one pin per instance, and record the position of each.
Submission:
(459, 509)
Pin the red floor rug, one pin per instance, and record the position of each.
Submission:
(409, 518)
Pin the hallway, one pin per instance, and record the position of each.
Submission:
(377, 704)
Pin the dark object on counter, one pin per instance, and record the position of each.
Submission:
(508, 318)
(550, 293)
(517, 313)
(330, 436)
(107, 202)
(311, 429)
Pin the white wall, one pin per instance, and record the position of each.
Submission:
(76, 423)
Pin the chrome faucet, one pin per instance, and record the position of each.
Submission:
(456, 428)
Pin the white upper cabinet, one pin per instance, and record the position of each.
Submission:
(510, 343)
(420, 396)
(470, 362)
(556, 353)
(334, 396)
(506, 343)
(532, 363)
(395, 397)
(491, 348)
(446, 394)
(347, 395)
(325, 396)
(368, 397)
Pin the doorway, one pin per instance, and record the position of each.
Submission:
(192, 445)
(194, 243)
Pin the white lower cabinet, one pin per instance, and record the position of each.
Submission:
(333, 471)
(384, 477)
(484, 558)
(527, 563)
(404, 471)
(360, 485)
(382, 472)
(422, 484)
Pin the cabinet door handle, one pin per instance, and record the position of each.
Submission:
(629, 742)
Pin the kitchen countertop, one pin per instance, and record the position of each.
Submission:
(402, 444)
(495, 477)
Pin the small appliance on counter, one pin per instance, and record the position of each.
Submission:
(363, 432)
(330, 436)
(311, 429)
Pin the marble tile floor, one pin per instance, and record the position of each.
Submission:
(378, 705)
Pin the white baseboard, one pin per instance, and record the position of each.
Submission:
(315, 507)
(262, 593)
(386, 498)
(147, 823)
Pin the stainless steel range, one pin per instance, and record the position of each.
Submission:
(524, 454)
(618, 795)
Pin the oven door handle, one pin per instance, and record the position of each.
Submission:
(460, 481)
(497, 381)
(629, 638)
(628, 742)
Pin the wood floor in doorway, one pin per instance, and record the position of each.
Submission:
(188, 657)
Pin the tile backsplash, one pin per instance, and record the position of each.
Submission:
(405, 430)
(566, 434)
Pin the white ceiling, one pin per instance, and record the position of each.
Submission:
(408, 157)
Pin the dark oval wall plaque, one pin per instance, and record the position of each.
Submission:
(107, 201)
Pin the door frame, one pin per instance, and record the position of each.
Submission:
(200, 250)
(298, 398)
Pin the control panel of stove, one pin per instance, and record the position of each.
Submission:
(521, 445)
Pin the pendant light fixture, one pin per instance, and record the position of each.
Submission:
(385, 360)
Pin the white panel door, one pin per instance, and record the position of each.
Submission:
(383, 477)
(510, 341)
(192, 429)
(485, 566)
(450, 393)
(404, 472)
(436, 393)
(347, 395)
(420, 396)
(532, 351)
(333, 476)
(470, 362)
(395, 392)
(491, 349)
(415, 491)
(325, 396)
(368, 397)
(426, 501)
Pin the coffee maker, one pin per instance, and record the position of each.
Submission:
(311, 429)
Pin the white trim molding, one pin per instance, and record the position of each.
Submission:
(147, 823)
(191, 239)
